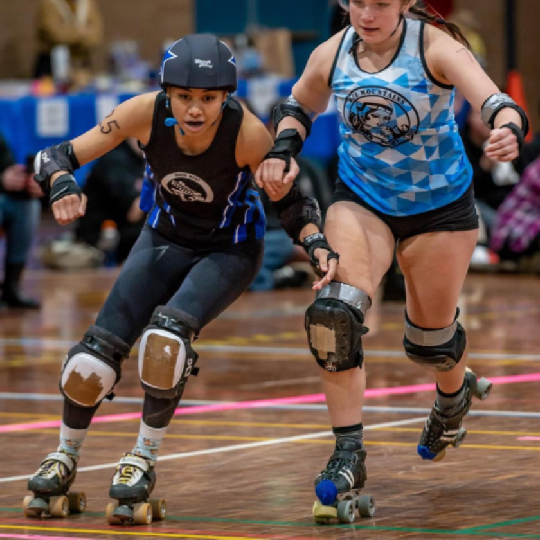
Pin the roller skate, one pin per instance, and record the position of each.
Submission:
(444, 426)
(131, 486)
(50, 486)
(338, 486)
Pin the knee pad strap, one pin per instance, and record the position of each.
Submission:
(92, 368)
(437, 349)
(166, 358)
(335, 326)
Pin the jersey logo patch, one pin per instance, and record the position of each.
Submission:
(188, 187)
(381, 115)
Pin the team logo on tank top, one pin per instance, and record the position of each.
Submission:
(188, 187)
(381, 115)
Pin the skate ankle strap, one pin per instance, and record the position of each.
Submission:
(135, 461)
(62, 458)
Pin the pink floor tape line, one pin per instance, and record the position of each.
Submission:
(36, 537)
(313, 398)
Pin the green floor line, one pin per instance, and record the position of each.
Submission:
(503, 524)
(472, 531)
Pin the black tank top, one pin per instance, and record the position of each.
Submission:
(204, 200)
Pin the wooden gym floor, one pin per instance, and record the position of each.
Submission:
(239, 460)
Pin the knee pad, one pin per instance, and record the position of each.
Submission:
(92, 368)
(438, 350)
(166, 358)
(335, 326)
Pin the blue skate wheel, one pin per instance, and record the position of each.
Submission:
(425, 453)
(326, 492)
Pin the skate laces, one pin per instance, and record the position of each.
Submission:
(56, 464)
(130, 470)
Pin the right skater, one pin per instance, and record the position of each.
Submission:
(198, 252)
(404, 180)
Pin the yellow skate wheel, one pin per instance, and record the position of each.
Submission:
(323, 514)
(111, 507)
(76, 502)
(28, 512)
(142, 513)
(159, 509)
(59, 506)
(440, 456)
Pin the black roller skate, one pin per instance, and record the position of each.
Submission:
(50, 486)
(338, 486)
(132, 485)
(444, 426)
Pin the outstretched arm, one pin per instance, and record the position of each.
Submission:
(55, 165)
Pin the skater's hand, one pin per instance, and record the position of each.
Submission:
(327, 267)
(69, 208)
(271, 175)
(502, 145)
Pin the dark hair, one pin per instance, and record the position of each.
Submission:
(434, 18)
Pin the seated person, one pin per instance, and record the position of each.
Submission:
(113, 189)
(517, 226)
(19, 218)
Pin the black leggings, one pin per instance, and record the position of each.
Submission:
(202, 283)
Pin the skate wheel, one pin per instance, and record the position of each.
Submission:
(159, 509)
(59, 506)
(345, 511)
(142, 513)
(76, 503)
(366, 506)
(111, 519)
(459, 437)
(323, 514)
(483, 388)
(29, 512)
(440, 455)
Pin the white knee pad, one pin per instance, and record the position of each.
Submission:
(163, 361)
(86, 379)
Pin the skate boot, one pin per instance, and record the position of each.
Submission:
(131, 486)
(50, 486)
(338, 486)
(444, 426)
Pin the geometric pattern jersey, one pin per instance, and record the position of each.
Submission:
(401, 151)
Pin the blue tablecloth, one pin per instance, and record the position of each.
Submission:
(30, 124)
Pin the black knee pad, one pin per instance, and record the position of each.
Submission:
(438, 350)
(335, 326)
(166, 358)
(92, 368)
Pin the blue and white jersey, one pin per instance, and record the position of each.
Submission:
(401, 150)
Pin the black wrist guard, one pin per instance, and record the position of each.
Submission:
(52, 160)
(296, 211)
(313, 242)
(288, 145)
(517, 131)
(64, 185)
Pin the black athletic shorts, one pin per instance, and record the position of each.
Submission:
(459, 215)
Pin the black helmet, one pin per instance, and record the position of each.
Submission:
(200, 61)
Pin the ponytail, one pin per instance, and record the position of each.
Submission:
(450, 28)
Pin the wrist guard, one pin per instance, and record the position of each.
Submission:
(517, 131)
(495, 103)
(313, 242)
(288, 145)
(296, 211)
(63, 186)
(52, 160)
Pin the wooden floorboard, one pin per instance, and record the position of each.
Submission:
(247, 471)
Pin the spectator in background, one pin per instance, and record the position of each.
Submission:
(19, 217)
(113, 189)
(492, 180)
(517, 226)
(75, 23)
